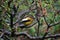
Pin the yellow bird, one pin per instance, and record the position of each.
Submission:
(26, 21)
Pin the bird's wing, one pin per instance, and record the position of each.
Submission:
(25, 20)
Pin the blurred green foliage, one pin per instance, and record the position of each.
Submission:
(50, 5)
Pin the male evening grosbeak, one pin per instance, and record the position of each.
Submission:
(28, 20)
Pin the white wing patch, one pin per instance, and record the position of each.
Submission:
(24, 19)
